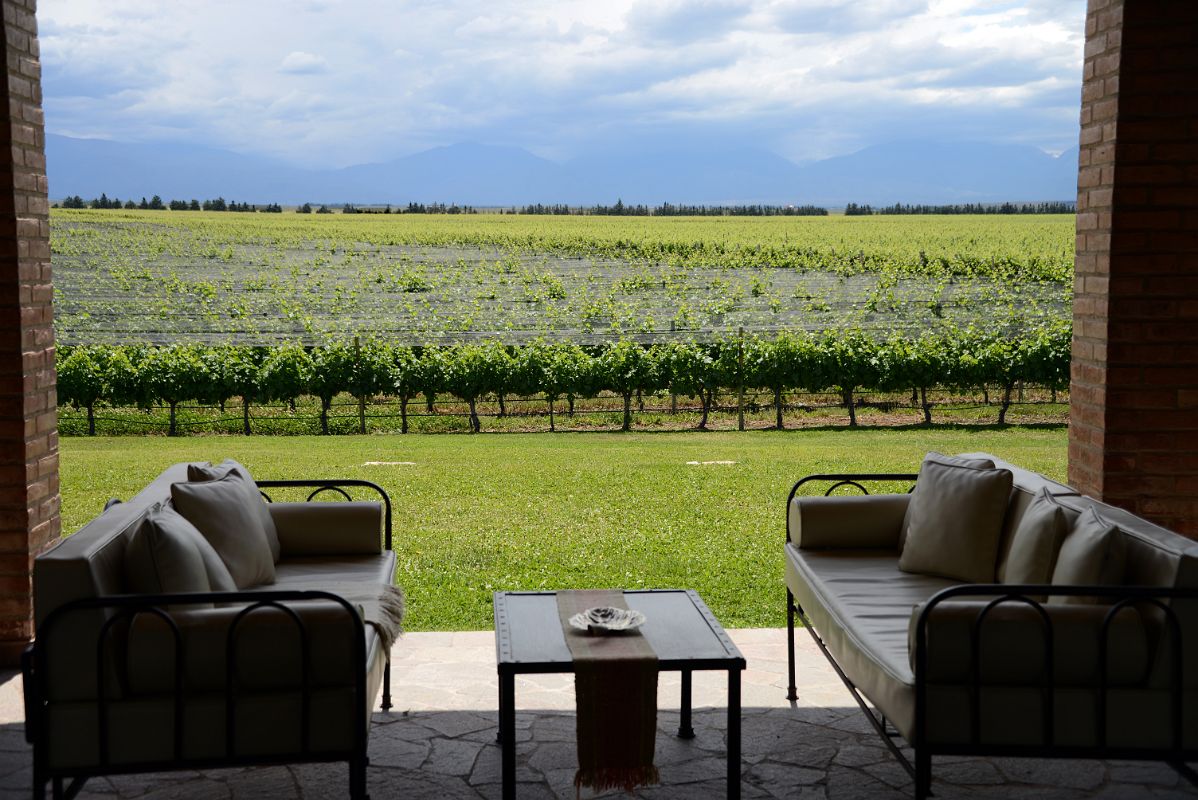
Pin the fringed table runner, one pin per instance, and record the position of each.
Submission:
(615, 684)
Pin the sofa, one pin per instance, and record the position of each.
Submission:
(200, 625)
(977, 608)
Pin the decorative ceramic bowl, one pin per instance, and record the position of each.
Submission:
(604, 619)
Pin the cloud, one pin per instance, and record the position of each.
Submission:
(842, 16)
(383, 78)
(686, 21)
(300, 63)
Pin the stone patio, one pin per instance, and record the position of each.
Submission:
(439, 742)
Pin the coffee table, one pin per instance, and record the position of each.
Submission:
(682, 630)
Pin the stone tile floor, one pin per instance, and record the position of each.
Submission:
(439, 742)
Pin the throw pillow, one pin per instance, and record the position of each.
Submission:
(212, 472)
(1092, 554)
(1036, 540)
(956, 514)
(221, 511)
(978, 463)
(167, 554)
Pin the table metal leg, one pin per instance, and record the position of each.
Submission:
(499, 727)
(734, 734)
(685, 729)
(791, 693)
(507, 734)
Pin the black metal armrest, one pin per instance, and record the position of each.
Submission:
(1119, 597)
(338, 486)
(126, 608)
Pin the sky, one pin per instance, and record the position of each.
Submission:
(328, 83)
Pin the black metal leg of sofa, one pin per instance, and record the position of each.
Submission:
(357, 778)
(792, 693)
(923, 774)
(387, 685)
(57, 790)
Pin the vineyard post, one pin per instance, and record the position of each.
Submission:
(740, 380)
(361, 397)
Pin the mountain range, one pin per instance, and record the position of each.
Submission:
(487, 175)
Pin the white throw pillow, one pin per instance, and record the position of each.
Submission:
(955, 520)
(213, 472)
(221, 511)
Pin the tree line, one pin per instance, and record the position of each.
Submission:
(844, 362)
(410, 208)
(1063, 207)
(671, 210)
(155, 203)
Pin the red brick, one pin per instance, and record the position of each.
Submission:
(28, 468)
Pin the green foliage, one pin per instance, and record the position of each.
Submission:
(848, 363)
(686, 367)
(332, 373)
(81, 376)
(419, 278)
(82, 380)
(626, 368)
(173, 375)
(286, 373)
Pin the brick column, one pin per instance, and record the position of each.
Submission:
(28, 421)
(1133, 438)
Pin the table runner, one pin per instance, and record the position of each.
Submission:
(615, 686)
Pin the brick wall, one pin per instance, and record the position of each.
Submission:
(28, 422)
(1134, 417)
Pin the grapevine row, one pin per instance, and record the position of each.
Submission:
(845, 362)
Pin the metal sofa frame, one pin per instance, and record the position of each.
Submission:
(122, 609)
(1176, 755)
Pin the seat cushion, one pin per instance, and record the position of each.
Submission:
(860, 603)
(231, 524)
(309, 573)
(167, 554)
(213, 472)
(955, 520)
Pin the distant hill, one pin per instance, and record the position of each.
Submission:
(485, 175)
(943, 172)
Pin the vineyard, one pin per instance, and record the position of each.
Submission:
(845, 363)
(160, 277)
(190, 311)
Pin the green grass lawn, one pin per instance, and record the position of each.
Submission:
(476, 514)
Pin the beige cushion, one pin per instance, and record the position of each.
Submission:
(167, 554)
(1036, 540)
(212, 472)
(321, 529)
(221, 511)
(870, 520)
(955, 520)
(1092, 554)
(979, 463)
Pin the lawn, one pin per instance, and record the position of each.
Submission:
(475, 514)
